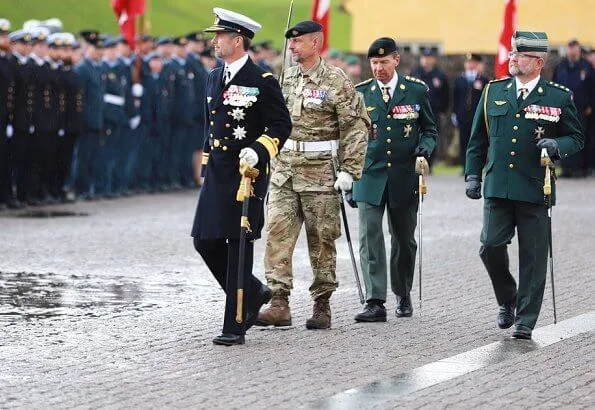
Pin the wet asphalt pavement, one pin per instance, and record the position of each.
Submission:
(106, 304)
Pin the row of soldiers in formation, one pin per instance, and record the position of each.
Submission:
(75, 121)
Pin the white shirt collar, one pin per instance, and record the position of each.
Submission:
(38, 60)
(529, 86)
(236, 66)
(392, 84)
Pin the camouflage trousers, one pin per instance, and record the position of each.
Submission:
(287, 211)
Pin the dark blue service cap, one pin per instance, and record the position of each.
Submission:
(163, 40)
(303, 27)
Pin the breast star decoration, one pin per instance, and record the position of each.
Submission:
(238, 114)
(239, 133)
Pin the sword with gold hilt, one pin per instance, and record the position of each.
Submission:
(547, 196)
(421, 169)
(245, 191)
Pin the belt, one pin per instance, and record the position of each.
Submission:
(113, 99)
(310, 146)
(227, 144)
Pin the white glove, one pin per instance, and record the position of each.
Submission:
(453, 119)
(250, 156)
(344, 182)
(134, 122)
(60, 132)
(137, 90)
(421, 166)
(9, 131)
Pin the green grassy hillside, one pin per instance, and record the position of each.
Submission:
(175, 17)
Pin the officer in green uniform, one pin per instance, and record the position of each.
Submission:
(516, 118)
(403, 129)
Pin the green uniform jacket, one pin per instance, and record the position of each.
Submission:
(513, 169)
(398, 128)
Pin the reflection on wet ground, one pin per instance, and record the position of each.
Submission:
(45, 213)
(27, 295)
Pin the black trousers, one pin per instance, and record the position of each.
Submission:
(464, 136)
(5, 170)
(221, 257)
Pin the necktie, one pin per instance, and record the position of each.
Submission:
(386, 94)
(522, 95)
(226, 76)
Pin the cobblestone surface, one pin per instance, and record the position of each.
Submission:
(116, 310)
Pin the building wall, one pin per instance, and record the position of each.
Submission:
(461, 26)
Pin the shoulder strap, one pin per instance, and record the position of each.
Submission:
(485, 111)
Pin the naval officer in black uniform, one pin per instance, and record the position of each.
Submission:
(246, 119)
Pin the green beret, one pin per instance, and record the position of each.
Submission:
(382, 47)
(352, 60)
(334, 53)
(535, 41)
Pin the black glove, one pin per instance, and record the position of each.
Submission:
(551, 145)
(473, 187)
(421, 152)
(349, 199)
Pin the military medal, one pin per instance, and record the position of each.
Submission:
(315, 96)
(238, 114)
(407, 130)
(240, 96)
(539, 131)
(239, 133)
(406, 112)
(539, 112)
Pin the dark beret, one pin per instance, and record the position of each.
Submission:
(382, 47)
(195, 36)
(303, 27)
(474, 57)
(180, 41)
(429, 51)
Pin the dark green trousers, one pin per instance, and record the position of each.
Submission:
(500, 218)
(401, 223)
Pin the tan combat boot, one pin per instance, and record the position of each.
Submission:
(321, 316)
(277, 314)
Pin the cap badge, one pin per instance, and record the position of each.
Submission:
(381, 51)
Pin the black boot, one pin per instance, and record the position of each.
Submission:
(404, 307)
(374, 311)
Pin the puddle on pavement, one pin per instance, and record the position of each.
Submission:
(44, 213)
(27, 295)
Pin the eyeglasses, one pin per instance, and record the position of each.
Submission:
(516, 54)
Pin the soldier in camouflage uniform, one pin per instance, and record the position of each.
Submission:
(328, 116)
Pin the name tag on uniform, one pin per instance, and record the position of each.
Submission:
(406, 112)
(240, 96)
(315, 96)
(540, 112)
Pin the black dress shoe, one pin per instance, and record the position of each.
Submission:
(404, 307)
(373, 312)
(228, 339)
(506, 314)
(264, 296)
(522, 332)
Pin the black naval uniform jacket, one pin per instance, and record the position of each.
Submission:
(247, 112)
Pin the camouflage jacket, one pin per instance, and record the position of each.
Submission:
(324, 106)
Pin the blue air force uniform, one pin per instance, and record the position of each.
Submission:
(248, 112)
